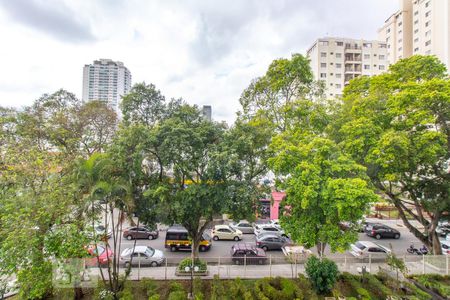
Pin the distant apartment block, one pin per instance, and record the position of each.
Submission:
(207, 112)
(336, 61)
(106, 80)
(418, 27)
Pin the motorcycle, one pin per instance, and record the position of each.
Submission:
(414, 250)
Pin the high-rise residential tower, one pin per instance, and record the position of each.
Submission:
(106, 80)
(336, 61)
(418, 27)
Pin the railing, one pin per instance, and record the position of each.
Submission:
(273, 265)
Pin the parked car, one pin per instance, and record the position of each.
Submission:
(104, 255)
(142, 255)
(177, 238)
(443, 229)
(271, 241)
(445, 245)
(140, 232)
(379, 231)
(225, 232)
(243, 226)
(275, 223)
(99, 232)
(362, 249)
(245, 253)
(267, 228)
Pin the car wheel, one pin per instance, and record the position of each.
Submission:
(236, 238)
(129, 237)
(173, 248)
(396, 236)
(150, 237)
(154, 264)
(265, 248)
(127, 264)
(378, 236)
(216, 238)
(202, 248)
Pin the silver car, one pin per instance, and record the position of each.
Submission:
(271, 241)
(243, 226)
(143, 256)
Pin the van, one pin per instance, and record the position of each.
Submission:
(177, 238)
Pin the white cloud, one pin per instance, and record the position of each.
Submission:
(204, 51)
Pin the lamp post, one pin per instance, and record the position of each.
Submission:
(191, 268)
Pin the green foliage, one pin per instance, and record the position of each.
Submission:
(396, 124)
(435, 283)
(322, 273)
(154, 297)
(177, 295)
(277, 288)
(176, 286)
(149, 286)
(187, 262)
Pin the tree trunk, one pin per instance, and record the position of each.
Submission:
(321, 248)
(78, 292)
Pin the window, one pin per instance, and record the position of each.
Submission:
(416, 31)
(323, 43)
(338, 85)
(338, 55)
(427, 14)
(338, 75)
(382, 57)
(338, 66)
(427, 24)
(366, 56)
(382, 45)
(416, 22)
(381, 67)
(416, 12)
(339, 43)
(367, 45)
(428, 33)
(388, 30)
(331, 84)
(400, 49)
(428, 52)
(400, 40)
(416, 49)
(427, 4)
(323, 54)
(323, 75)
(400, 31)
(416, 40)
(400, 24)
(427, 43)
(387, 39)
(366, 67)
(323, 65)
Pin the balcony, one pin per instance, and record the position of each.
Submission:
(353, 57)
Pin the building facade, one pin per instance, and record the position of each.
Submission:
(106, 80)
(336, 61)
(418, 27)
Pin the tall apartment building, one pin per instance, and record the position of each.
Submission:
(106, 80)
(336, 61)
(418, 27)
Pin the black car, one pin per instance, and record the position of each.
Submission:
(244, 253)
(379, 231)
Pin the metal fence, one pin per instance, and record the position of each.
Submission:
(248, 267)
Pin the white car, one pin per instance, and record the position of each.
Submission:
(263, 228)
(142, 255)
(445, 245)
(225, 232)
(362, 249)
(243, 226)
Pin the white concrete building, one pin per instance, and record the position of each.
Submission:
(106, 80)
(418, 27)
(338, 60)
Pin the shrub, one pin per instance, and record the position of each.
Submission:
(175, 287)
(217, 289)
(363, 293)
(187, 262)
(198, 287)
(154, 297)
(322, 273)
(177, 295)
(149, 286)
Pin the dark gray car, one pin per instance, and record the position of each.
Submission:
(271, 241)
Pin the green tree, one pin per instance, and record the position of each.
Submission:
(397, 125)
(324, 187)
(268, 99)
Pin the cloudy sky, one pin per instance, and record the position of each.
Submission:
(203, 51)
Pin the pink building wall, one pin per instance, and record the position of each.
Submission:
(275, 207)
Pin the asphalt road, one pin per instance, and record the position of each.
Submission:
(222, 248)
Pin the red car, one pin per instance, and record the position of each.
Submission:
(104, 256)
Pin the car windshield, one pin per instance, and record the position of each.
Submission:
(360, 246)
(149, 251)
